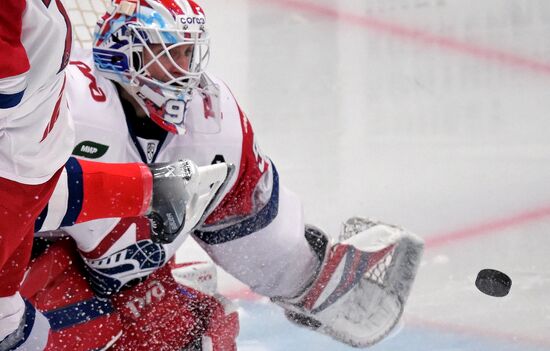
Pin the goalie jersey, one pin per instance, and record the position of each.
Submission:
(36, 134)
(256, 223)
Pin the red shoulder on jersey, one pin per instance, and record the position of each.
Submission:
(239, 200)
(14, 57)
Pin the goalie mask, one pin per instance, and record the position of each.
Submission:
(157, 50)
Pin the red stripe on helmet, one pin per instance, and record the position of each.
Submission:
(197, 10)
(172, 6)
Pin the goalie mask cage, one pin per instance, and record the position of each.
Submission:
(84, 15)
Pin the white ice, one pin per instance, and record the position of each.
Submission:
(432, 114)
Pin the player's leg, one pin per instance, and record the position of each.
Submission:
(125, 187)
(20, 204)
(78, 319)
(158, 313)
(161, 313)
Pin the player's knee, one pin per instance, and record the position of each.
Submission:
(78, 319)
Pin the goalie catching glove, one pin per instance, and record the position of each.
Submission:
(362, 283)
(183, 195)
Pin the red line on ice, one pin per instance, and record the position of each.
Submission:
(487, 228)
(415, 35)
(492, 227)
(452, 45)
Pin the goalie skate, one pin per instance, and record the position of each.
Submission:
(360, 291)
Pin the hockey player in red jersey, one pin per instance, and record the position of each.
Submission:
(144, 96)
(36, 139)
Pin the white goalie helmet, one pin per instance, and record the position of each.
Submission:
(157, 50)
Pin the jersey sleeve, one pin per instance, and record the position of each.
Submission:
(256, 233)
(83, 187)
(14, 64)
(252, 202)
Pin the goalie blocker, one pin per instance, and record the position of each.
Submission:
(183, 195)
(362, 283)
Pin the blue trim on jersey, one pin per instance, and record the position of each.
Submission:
(249, 225)
(76, 192)
(78, 313)
(30, 315)
(140, 150)
(40, 219)
(11, 100)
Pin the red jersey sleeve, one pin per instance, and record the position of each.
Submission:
(252, 202)
(240, 200)
(14, 62)
(14, 59)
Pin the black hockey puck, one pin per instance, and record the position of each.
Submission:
(493, 282)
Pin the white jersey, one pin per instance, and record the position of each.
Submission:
(256, 218)
(36, 134)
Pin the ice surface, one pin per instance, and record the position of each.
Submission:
(433, 114)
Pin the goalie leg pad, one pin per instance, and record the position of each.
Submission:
(362, 285)
(79, 320)
(161, 314)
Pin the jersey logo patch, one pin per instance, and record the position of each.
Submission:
(90, 149)
(149, 147)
